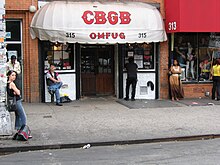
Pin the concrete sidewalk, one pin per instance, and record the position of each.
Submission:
(106, 120)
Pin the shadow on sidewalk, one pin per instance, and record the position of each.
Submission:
(142, 103)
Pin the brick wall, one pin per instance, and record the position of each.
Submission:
(21, 5)
(20, 10)
(163, 66)
(196, 90)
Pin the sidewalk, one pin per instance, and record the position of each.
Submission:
(110, 121)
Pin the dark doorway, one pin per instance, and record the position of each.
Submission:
(97, 70)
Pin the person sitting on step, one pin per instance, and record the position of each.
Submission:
(54, 83)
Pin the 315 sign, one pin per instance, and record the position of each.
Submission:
(70, 35)
(172, 26)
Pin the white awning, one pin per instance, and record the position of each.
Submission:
(94, 22)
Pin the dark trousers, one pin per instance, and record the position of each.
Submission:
(216, 87)
(132, 82)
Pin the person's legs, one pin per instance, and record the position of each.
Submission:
(187, 70)
(134, 83)
(57, 94)
(218, 88)
(128, 83)
(17, 121)
(214, 88)
(21, 118)
(192, 69)
(57, 87)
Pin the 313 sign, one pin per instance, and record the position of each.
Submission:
(172, 26)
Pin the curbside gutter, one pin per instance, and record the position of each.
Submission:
(10, 150)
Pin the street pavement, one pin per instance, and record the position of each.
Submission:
(108, 121)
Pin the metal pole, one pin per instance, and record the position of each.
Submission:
(172, 41)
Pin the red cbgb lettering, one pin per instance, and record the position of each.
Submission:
(100, 17)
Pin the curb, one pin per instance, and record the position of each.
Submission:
(8, 150)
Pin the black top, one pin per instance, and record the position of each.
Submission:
(49, 81)
(10, 92)
(131, 70)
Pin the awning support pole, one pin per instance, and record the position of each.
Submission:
(172, 41)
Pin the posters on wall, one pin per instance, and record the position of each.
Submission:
(3, 57)
(5, 119)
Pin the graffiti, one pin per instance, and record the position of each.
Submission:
(5, 122)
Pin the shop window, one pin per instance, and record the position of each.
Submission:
(196, 53)
(143, 55)
(13, 30)
(61, 55)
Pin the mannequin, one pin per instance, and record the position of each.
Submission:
(190, 61)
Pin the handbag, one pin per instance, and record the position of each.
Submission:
(11, 103)
(65, 99)
(23, 133)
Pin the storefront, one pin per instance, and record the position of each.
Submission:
(90, 42)
(195, 41)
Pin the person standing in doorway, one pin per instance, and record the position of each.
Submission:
(54, 83)
(14, 64)
(175, 82)
(131, 69)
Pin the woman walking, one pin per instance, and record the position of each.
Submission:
(175, 82)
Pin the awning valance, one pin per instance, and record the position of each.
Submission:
(192, 15)
(94, 22)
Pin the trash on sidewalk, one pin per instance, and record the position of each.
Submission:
(211, 104)
(87, 146)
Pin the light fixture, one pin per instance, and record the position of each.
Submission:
(32, 9)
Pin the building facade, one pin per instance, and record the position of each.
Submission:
(194, 40)
(18, 18)
(88, 68)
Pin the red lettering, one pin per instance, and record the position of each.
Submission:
(92, 36)
(101, 35)
(114, 35)
(107, 35)
(113, 17)
(125, 17)
(86, 17)
(122, 35)
(100, 17)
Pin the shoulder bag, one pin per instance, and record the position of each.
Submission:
(11, 103)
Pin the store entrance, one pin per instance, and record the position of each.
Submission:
(97, 70)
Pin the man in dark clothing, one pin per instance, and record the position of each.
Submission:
(131, 68)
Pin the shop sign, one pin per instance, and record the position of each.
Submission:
(98, 23)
